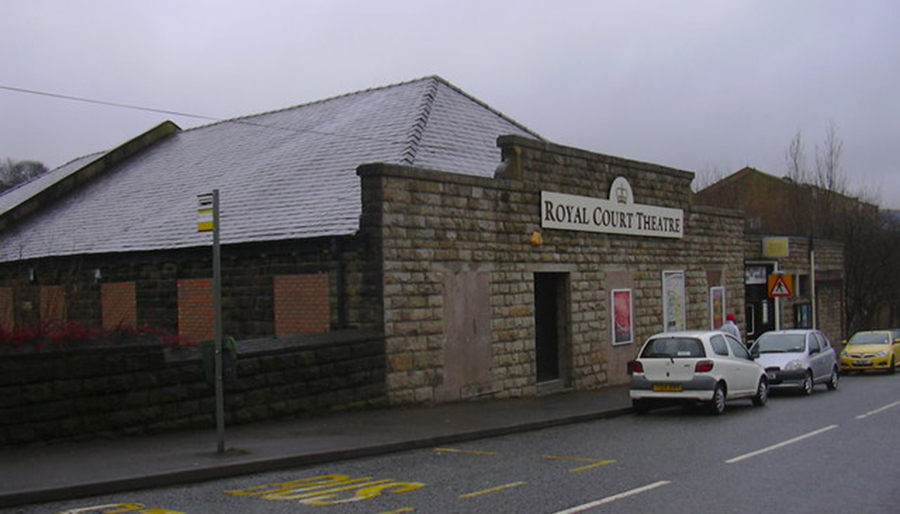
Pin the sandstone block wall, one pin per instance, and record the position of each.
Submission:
(432, 225)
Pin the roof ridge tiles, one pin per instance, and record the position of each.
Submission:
(435, 81)
(491, 109)
(415, 136)
(242, 119)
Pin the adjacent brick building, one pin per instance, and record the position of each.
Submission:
(796, 219)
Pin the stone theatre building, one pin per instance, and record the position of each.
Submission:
(488, 261)
(546, 276)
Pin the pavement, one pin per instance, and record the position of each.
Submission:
(46, 472)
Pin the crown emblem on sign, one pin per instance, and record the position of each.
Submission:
(622, 194)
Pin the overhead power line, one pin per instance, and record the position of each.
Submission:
(102, 102)
(188, 115)
(242, 121)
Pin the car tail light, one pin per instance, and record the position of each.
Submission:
(637, 367)
(703, 366)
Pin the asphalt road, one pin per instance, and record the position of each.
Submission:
(832, 452)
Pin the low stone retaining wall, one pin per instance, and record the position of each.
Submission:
(144, 388)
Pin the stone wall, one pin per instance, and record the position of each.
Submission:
(436, 229)
(142, 388)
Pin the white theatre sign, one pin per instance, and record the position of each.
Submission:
(617, 215)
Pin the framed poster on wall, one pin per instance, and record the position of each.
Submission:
(716, 307)
(673, 301)
(622, 317)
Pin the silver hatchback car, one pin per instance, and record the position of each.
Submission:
(797, 359)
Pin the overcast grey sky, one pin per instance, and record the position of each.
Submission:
(707, 86)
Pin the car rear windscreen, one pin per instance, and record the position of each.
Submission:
(673, 348)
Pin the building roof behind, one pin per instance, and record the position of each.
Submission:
(288, 174)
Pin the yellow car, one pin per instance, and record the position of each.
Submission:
(872, 350)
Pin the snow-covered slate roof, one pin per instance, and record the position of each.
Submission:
(288, 174)
(22, 192)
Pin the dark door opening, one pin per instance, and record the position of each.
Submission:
(550, 324)
(760, 309)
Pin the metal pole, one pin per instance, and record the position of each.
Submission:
(777, 302)
(812, 284)
(217, 314)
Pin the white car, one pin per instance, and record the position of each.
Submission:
(701, 366)
(797, 359)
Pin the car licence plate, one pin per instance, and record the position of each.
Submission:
(862, 363)
(667, 387)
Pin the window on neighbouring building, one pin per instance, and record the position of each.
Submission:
(802, 286)
(803, 315)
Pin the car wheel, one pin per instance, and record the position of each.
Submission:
(640, 406)
(806, 388)
(717, 404)
(891, 368)
(834, 380)
(762, 392)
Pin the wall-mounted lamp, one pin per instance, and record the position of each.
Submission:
(31, 274)
(97, 274)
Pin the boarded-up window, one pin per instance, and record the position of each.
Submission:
(7, 312)
(118, 304)
(302, 304)
(53, 304)
(195, 310)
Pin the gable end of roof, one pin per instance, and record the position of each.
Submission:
(85, 173)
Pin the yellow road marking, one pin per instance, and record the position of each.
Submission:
(465, 452)
(400, 511)
(118, 508)
(594, 463)
(492, 490)
(333, 489)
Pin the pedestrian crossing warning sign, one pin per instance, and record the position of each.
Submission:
(781, 286)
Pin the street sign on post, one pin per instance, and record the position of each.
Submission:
(205, 212)
(780, 286)
(208, 210)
